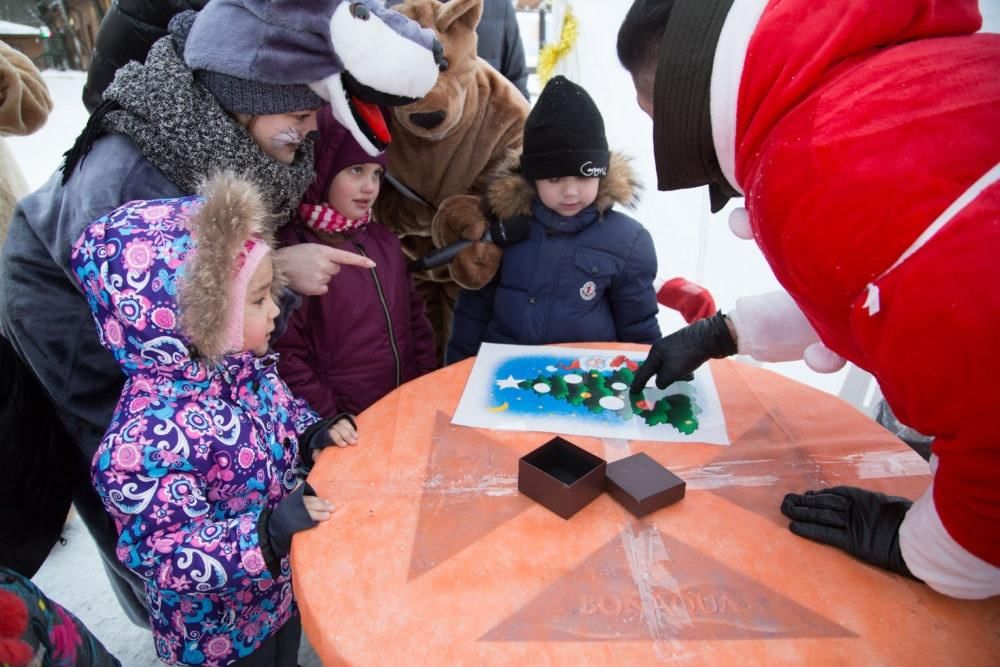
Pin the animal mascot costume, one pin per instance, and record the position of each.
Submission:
(443, 149)
(864, 137)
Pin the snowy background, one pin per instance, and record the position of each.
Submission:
(690, 242)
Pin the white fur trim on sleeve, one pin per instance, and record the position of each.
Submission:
(935, 557)
(771, 327)
(727, 72)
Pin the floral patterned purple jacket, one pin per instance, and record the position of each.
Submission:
(196, 451)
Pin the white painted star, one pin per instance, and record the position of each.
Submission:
(510, 383)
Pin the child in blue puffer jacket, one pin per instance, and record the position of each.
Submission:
(586, 271)
(200, 466)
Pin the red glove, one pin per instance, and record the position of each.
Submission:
(692, 301)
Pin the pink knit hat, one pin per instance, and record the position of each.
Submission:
(253, 253)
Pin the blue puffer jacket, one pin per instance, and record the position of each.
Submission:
(584, 278)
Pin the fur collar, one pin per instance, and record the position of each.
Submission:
(510, 194)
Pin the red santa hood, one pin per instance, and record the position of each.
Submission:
(771, 56)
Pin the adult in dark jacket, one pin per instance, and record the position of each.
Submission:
(582, 274)
(127, 32)
(345, 349)
(499, 41)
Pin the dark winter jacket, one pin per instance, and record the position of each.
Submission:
(579, 279)
(367, 335)
(127, 32)
(42, 312)
(499, 41)
(39, 462)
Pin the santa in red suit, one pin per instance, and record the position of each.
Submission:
(864, 137)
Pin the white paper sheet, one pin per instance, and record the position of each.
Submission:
(578, 391)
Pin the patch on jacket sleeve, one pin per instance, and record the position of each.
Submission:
(588, 291)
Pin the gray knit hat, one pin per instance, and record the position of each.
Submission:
(258, 56)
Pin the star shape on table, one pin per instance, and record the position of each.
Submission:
(510, 383)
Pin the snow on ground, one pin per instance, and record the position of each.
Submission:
(690, 242)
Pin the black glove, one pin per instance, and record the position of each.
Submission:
(675, 357)
(289, 517)
(863, 523)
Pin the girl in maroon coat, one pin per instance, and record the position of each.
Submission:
(368, 334)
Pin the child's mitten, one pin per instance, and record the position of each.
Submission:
(289, 517)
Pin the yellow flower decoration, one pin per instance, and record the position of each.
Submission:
(552, 54)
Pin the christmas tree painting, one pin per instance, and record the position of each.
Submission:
(604, 387)
(675, 409)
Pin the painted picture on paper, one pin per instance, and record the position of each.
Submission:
(580, 391)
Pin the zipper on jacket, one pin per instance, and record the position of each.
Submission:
(385, 311)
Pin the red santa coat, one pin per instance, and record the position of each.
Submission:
(865, 137)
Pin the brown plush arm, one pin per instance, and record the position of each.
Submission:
(401, 215)
(460, 217)
(24, 99)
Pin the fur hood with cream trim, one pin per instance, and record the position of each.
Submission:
(159, 274)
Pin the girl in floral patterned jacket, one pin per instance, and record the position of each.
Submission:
(200, 466)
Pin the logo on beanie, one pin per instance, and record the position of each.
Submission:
(588, 291)
(588, 169)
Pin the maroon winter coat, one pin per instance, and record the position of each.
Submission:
(367, 335)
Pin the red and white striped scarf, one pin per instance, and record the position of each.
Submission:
(324, 218)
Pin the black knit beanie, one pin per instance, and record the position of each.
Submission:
(564, 134)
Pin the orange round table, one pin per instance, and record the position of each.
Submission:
(433, 557)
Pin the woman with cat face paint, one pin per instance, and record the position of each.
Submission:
(163, 127)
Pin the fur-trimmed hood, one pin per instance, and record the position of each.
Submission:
(510, 194)
(158, 276)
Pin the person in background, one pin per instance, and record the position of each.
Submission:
(126, 33)
(36, 476)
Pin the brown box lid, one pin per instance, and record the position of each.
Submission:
(642, 485)
(561, 476)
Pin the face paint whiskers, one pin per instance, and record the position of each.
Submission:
(287, 138)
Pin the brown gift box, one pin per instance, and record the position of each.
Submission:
(561, 476)
(642, 485)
